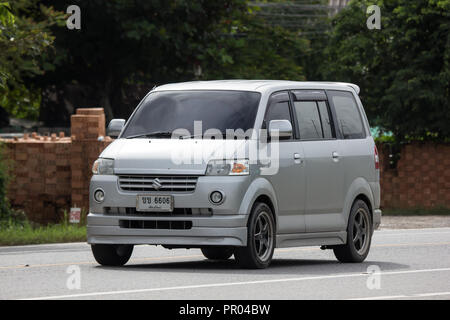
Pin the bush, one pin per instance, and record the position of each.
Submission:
(8, 216)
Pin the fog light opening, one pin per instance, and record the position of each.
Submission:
(216, 197)
(99, 195)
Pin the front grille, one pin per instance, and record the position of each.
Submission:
(177, 212)
(157, 183)
(165, 225)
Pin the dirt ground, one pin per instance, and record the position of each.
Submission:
(414, 222)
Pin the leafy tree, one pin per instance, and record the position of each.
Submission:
(403, 69)
(23, 39)
(123, 43)
(308, 22)
(250, 48)
(125, 47)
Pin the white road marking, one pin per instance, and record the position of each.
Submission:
(408, 296)
(410, 233)
(215, 285)
(412, 229)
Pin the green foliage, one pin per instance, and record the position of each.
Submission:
(14, 235)
(403, 69)
(17, 230)
(308, 22)
(24, 38)
(6, 17)
(8, 216)
(157, 42)
(21, 102)
(249, 48)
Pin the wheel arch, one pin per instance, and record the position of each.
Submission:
(364, 198)
(359, 189)
(260, 190)
(266, 200)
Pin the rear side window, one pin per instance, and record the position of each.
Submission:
(308, 120)
(313, 120)
(348, 116)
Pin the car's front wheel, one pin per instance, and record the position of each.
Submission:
(359, 235)
(260, 239)
(112, 254)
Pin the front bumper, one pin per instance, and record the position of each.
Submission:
(225, 227)
(208, 231)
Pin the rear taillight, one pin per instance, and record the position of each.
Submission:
(377, 159)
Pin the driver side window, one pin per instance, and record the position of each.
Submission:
(278, 109)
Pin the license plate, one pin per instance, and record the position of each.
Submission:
(154, 203)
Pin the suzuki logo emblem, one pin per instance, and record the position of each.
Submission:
(156, 184)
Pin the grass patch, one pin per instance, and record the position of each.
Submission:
(21, 235)
(417, 212)
(17, 230)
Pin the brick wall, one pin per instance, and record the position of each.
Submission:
(41, 184)
(86, 126)
(421, 178)
(52, 174)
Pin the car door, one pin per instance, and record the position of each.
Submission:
(323, 161)
(289, 182)
(357, 144)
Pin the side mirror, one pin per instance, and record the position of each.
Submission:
(280, 128)
(115, 127)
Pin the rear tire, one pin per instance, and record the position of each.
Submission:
(217, 253)
(359, 235)
(112, 254)
(260, 239)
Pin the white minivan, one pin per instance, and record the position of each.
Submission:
(238, 167)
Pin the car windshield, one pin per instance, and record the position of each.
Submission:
(161, 113)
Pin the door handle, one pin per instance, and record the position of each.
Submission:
(335, 155)
(297, 158)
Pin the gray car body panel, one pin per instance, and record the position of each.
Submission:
(311, 199)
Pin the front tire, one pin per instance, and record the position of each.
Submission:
(359, 235)
(260, 239)
(217, 253)
(112, 254)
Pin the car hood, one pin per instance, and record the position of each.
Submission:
(171, 156)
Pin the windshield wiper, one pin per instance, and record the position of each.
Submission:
(152, 134)
(191, 137)
(224, 136)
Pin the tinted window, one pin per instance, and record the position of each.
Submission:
(308, 120)
(171, 110)
(278, 111)
(325, 117)
(348, 117)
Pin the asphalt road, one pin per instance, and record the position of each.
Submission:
(408, 264)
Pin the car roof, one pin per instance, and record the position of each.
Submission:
(257, 85)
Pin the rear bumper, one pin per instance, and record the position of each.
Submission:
(376, 218)
(206, 231)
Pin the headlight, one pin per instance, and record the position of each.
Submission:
(227, 168)
(103, 166)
